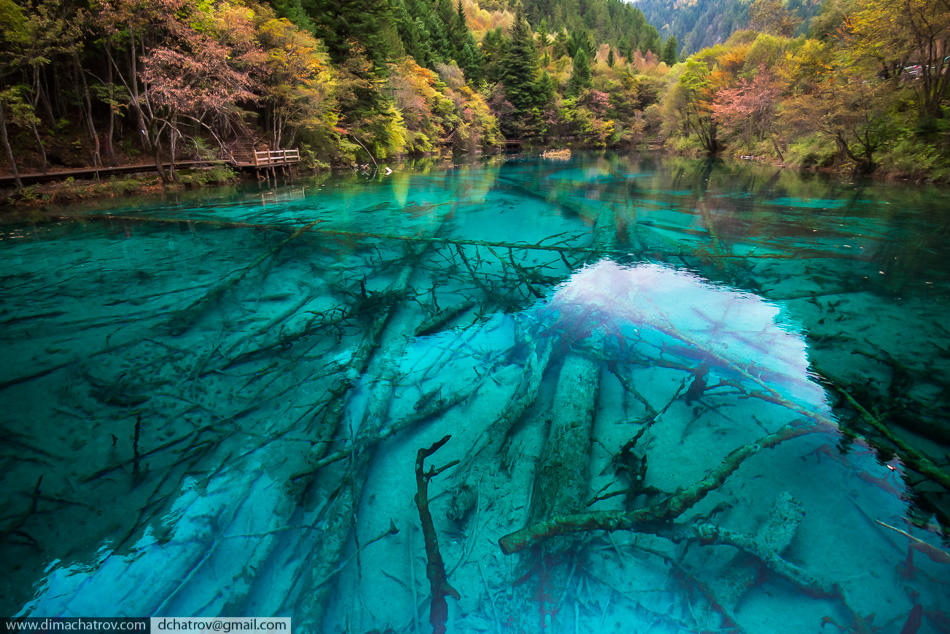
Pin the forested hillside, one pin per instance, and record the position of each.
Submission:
(698, 24)
(118, 81)
(867, 89)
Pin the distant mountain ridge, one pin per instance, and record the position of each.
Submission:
(698, 24)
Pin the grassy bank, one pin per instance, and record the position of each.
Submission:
(73, 190)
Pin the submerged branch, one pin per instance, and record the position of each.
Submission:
(663, 511)
(909, 456)
(435, 567)
(431, 409)
(182, 320)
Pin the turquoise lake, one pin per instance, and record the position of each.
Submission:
(213, 403)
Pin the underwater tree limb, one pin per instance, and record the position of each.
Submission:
(522, 398)
(561, 482)
(435, 567)
(182, 320)
(910, 456)
(145, 454)
(347, 489)
(440, 319)
(663, 511)
(716, 535)
(537, 246)
(432, 408)
(224, 224)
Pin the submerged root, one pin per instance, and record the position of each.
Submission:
(435, 568)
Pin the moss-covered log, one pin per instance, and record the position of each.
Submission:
(663, 511)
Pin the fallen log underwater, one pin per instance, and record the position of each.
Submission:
(287, 524)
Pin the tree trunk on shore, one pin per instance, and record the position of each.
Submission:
(172, 145)
(7, 148)
(110, 131)
(39, 144)
(87, 108)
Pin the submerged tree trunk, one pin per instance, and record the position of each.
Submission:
(561, 485)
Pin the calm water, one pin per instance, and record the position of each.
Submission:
(212, 405)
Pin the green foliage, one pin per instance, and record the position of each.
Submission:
(699, 25)
(520, 69)
(367, 80)
(615, 22)
(580, 76)
(767, 50)
(366, 28)
(669, 51)
(811, 150)
(216, 174)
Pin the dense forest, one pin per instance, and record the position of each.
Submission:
(113, 80)
(99, 82)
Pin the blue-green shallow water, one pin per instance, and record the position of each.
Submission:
(595, 335)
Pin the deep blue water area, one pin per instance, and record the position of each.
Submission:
(679, 396)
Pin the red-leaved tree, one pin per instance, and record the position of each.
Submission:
(182, 64)
(748, 109)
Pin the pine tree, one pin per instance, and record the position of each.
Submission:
(493, 53)
(412, 31)
(293, 10)
(519, 68)
(559, 49)
(610, 58)
(471, 61)
(578, 40)
(669, 51)
(650, 41)
(546, 88)
(468, 57)
(543, 37)
(625, 49)
(580, 77)
(369, 24)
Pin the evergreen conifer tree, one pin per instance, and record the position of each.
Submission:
(493, 53)
(293, 10)
(543, 37)
(669, 51)
(560, 45)
(519, 68)
(369, 23)
(580, 77)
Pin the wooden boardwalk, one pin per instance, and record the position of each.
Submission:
(270, 158)
(29, 178)
(259, 160)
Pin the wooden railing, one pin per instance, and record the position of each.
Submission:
(276, 157)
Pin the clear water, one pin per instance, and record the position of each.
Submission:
(211, 405)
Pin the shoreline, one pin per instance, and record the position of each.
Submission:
(128, 180)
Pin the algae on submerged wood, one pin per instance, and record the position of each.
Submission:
(279, 429)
